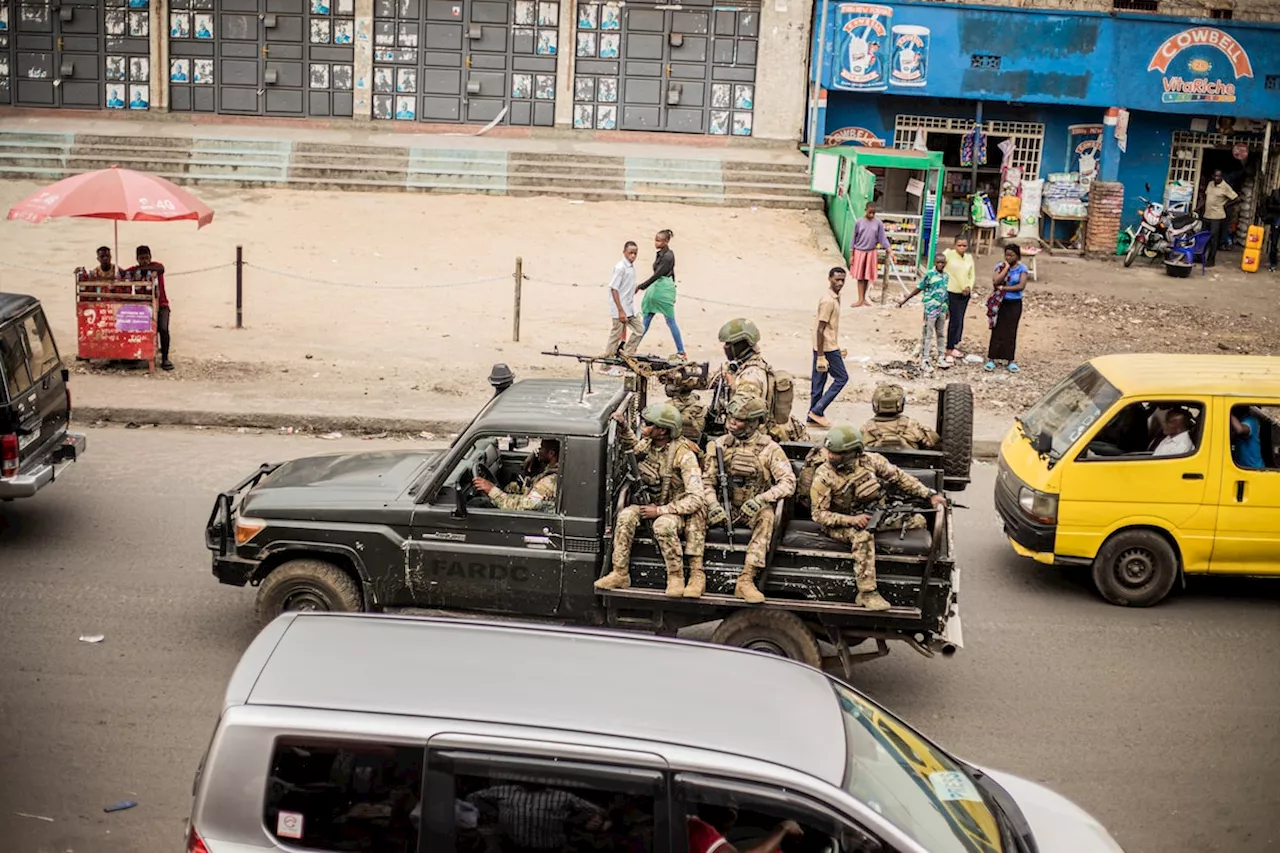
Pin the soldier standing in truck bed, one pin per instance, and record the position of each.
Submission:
(759, 474)
(748, 372)
(847, 488)
(890, 428)
(669, 469)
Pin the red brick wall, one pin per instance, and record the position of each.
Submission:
(1106, 205)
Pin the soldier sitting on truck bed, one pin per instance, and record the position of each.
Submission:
(758, 474)
(890, 428)
(540, 495)
(669, 475)
(847, 488)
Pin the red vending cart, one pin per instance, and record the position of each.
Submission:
(116, 318)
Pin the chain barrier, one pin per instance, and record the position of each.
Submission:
(680, 296)
(61, 273)
(334, 283)
(199, 271)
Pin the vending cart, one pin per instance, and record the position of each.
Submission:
(116, 318)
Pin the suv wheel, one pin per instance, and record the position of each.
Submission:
(773, 632)
(306, 585)
(1135, 568)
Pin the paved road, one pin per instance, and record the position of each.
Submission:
(1161, 722)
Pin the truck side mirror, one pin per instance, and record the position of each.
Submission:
(1043, 443)
(460, 498)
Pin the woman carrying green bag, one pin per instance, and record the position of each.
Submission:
(660, 289)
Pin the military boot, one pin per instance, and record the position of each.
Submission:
(872, 600)
(619, 578)
(697, 579)
(745, 588)
(675, 583)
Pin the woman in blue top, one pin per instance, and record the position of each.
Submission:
(1007, 285)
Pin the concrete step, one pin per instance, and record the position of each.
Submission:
(33, 160)
(32, 173)
(565, 182)
(339, 174)
(357, 161)
(181, 143)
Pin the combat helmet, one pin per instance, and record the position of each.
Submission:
(844, 439)
(740, 338)
(747, 407)
(664, 416)
(888, 400)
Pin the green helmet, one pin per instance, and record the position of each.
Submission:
(663, 415)
(888, 400)
(739, 329)
(747, 407)
(844, 439)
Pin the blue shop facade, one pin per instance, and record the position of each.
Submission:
(1195, 95)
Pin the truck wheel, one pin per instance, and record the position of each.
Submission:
(306, 585)
(773, 632)
(956, 435)
(1135, 568)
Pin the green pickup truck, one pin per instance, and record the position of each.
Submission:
(397, 530)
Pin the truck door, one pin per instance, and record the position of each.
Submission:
(479, 558)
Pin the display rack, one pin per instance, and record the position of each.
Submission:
(902, 260)
(959, 186)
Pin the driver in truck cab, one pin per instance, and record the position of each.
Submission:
(540, 495)
(669, 472)
(847, 488)
(892, 429)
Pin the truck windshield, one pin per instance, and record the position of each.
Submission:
(922, 791)
(1066, 412)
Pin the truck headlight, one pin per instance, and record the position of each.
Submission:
(1040, 506)
(247, 528)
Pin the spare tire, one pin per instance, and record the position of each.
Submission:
(956, 434)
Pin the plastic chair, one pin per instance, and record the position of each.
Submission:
(1199, 248)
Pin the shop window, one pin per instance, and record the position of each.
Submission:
(327, 795)
(1152, 429)
(1136, 5)
(1221, 14)
(1255, 437)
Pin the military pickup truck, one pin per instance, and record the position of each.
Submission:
(399, 529)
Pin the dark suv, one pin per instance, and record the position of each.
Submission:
(35, 403)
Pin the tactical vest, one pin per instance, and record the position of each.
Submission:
(746, 470)
(779, 392)
(659, 471)
(887, 434)
(858, 488)
(692, 414)
(804, 483)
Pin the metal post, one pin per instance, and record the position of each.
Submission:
(515, 321)
(239, 287)
(817, 83)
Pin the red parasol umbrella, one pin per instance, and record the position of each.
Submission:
(116, 194)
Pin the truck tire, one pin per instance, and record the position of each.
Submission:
(956, 435)
(309, 585)
(1135, 568)
(773, 632)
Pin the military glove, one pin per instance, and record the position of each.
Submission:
(822, 364)
(750, 508)
(716, 515)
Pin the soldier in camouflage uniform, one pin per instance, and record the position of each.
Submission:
(670, 470)
(847, 488)
(693, 414)
(890, 428)
(540, 495)
(759, 474)
(750, 373)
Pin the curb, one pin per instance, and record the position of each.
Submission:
(982, 449)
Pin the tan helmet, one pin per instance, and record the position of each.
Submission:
(664, 416)
(844, 439)
(747, 407)
(888, 399)
(739, 329)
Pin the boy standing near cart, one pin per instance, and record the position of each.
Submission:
(933, 288)
(147, 265)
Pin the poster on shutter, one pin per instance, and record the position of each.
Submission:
(861, 47)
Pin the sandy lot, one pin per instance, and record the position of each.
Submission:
(361, 299)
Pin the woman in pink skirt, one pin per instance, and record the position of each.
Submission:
(868, 234)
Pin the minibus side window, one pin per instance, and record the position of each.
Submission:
(1149, 429)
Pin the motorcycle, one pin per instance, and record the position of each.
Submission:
(1160, 231)
(1148, 231)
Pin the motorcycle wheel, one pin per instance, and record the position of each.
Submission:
(1133, 252)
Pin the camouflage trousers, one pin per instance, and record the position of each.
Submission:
(761, 535)
(864, 544)
(666, 532)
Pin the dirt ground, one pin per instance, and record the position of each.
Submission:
(369, 301)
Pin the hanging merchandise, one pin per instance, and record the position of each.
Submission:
(1006, 151)
(974, 144)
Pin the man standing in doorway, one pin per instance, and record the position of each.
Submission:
(622, 295)
(1218, 196)
(147, 265)
(827, 359)
(868, 234)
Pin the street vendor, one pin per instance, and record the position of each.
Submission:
(147, 264)
(105, 270)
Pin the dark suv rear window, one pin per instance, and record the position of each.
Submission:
(330, 795)
(44, 354)
(13, 361)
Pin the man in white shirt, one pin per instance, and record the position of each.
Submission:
(622, 299)
(1177, 436)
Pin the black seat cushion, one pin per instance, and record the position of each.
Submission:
(717, 536)
(808, 535)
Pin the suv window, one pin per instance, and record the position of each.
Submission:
(13, 361)
(44, 354)
(328, 795)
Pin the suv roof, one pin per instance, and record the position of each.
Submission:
(14, 304)
(579, 680)
(553, 406)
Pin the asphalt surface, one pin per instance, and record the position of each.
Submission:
(1161, 722)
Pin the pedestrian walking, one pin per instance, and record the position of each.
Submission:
(660, 289)
(1004, 310)
(828, 358)
(622, 303)
(147, 264)
(868, 234)
(934, 289)
(1218, 196)
(960, 275)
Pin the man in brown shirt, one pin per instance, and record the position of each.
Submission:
(827, 356)
(1218, 196)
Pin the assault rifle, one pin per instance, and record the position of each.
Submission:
(644, 366)
(877, 515)
(726, 499)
